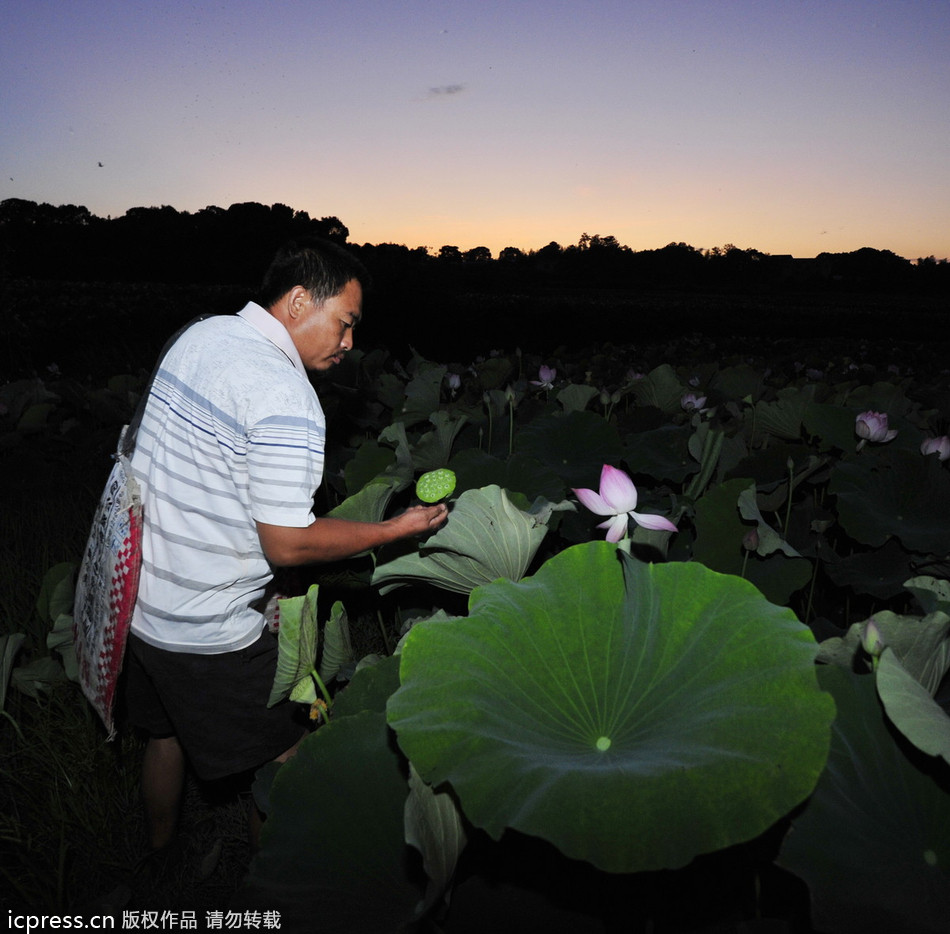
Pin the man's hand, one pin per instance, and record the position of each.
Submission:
(329, 539)
(421, 520)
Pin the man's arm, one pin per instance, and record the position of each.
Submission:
(329, 539)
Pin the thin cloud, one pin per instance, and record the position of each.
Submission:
(446, 90)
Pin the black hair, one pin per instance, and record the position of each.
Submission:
(323, 268)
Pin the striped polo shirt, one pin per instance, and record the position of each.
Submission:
(232, 434)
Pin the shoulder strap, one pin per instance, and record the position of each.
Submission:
(129, 432)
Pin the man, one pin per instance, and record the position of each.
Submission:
(228, 456)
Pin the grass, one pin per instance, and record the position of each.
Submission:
(72, 835)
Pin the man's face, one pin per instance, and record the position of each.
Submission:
(324, 332)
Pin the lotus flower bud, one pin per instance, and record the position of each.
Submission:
(872, 426)
(939, 446)
(871, 639)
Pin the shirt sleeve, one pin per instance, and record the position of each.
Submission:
(285, 457)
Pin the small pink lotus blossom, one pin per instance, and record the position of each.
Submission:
(692, 402)
(750, 541)
(617, 498)
(872, 426)
(939, 446)
(546, 376)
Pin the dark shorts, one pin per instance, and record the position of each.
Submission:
(215, 704)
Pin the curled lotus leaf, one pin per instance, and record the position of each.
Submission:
(485, 537)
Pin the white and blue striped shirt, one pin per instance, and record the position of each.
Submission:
(232, 434)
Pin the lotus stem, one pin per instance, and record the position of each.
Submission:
(323, 688)
(712, 447)
(811, 593)
(487, 401)
(385, 635)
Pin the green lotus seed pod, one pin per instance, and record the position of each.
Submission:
(435, 485)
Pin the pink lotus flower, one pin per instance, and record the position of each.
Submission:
(872, 426)
(692, 402)
(617, 498)
(939, 446)
(546, 375)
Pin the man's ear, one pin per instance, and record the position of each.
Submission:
(296, 299)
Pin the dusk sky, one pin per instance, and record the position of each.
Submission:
(790, 126)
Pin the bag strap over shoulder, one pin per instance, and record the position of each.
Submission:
(129, 432)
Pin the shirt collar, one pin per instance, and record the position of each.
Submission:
(274, 331)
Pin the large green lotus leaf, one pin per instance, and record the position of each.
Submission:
(395, 434)
(633, 715)
(370, 688)
(475, 468)
(661, 454)
(486, 537)
(575, 446)
(737, 382)
(434, 448)
(719, 534)
(61, 640)
(390, 390)
(370, 460)
(575, 397)
(880, 572)
(660, 388)
(902, 494)
(527, 475)
(519, 473)
(783, 418)
(333, 855)
(33, 420)
(57, 591)
(719, 527)
(911, 708)
(832, 425)
(494, 372)
(932, 593)
(297, 640)
(38, 677)
(370, 503)
(423, 393)
(881, 397)
(769, 467)
(873, 843)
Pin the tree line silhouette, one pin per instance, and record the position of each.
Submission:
(103, 294)
(231, 245)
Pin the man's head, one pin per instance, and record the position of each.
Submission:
(315, 289)
(321, 267)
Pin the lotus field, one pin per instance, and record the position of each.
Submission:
(676, 660)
